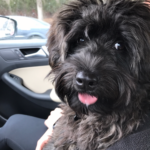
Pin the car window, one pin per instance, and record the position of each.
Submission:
(34, 17)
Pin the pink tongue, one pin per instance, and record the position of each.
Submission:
(87, 99)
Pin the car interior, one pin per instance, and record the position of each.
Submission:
(25, 87)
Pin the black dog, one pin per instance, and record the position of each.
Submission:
(100, 56)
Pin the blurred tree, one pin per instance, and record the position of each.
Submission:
(23, 7)
(51, 6)
(8, 3)
(30, 7)
(40, 9)
(4, 8)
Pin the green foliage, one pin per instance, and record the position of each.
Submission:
(29, 7)
(23, 6)
(4, 8)
(51, 6)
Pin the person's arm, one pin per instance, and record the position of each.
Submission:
(44, 139)
(54, 116)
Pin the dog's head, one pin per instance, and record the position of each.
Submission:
(100, 53)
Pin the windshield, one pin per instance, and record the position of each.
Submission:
(34, 17)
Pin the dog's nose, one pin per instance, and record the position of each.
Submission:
(85, 81)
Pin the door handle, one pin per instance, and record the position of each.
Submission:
(38, 54)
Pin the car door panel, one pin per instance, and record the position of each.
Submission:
(35, 78)
(11, 102)
(42, 100)
(23, 86)
(15, 61)
(30, 96)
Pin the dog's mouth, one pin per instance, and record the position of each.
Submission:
(87, 99)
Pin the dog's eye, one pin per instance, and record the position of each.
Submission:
(118, 46)
(80, 40)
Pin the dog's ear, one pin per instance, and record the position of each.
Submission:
(57, 45)
(135, 24)
(140, 14)
(55, 42)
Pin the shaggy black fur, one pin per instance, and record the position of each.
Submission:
(111, 41)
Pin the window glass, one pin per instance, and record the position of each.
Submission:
(34, 17)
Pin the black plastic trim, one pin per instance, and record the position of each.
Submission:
(39, 99)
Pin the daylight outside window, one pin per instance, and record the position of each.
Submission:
(34, 17)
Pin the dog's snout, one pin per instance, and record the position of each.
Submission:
(85, 81)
